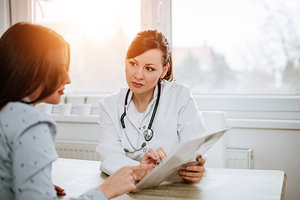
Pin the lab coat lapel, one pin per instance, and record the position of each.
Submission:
(150, 107)
(130, 114)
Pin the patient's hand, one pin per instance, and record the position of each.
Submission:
(192, 172)
(123, 180)
(154, 157)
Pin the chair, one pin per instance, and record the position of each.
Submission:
(214, 121)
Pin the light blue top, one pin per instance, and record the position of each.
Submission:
(26, 154)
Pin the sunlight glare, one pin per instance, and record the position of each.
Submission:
(99, 20)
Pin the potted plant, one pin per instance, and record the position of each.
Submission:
(65, 108)
(85, 108)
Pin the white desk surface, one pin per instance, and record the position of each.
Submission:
(78, 176)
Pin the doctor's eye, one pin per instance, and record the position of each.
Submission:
(133, 64)
(150, 69)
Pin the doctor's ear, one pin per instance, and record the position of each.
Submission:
(165, 70)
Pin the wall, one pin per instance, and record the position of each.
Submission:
(272, 149)
(270, 125)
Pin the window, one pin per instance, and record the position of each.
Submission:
(99, 33)
(237, 47)
(219, 47)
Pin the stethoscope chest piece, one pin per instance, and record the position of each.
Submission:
(148, 134)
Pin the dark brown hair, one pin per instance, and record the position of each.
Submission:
(152, 39)
(31, 56)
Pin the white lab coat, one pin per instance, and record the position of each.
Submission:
(177, 119)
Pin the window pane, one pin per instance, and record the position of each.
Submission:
(99, 33)
(237, 47)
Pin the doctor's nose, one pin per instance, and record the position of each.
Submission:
(139, 74)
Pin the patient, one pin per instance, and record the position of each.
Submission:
(34, 62)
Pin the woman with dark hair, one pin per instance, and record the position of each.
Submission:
(34, 63)
(144, 123)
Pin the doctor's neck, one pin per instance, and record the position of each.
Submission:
(141, 101)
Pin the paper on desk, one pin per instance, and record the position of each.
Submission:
(167, 169)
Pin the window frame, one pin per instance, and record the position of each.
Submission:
(4, 15)
(252, 111)
(244, 111)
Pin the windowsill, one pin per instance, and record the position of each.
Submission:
(91, 119)
(249, 102)
(264, 124)
(243, 111)
(234, 123)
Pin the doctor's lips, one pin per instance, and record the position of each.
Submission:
(61, 91)
(138, 85)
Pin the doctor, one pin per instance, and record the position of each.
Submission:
(145, 122)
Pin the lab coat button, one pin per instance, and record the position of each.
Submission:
(144, 127)
(139, 128)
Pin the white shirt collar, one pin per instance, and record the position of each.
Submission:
(130, 103)
(26, 99)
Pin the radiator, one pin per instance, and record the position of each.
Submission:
(77, 150)
(237, 158)
(240, 158)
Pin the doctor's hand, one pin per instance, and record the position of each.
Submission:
(59, 191)
(123, 180)
(143, 171)
(154, 157)
(192, 172)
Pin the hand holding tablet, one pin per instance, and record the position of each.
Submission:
(185, 153)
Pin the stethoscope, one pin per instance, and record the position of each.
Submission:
(148, 133)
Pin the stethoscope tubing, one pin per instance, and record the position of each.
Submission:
(149, 133)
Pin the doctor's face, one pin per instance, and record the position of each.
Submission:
(144, 71)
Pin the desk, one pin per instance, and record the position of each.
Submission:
(78, 176)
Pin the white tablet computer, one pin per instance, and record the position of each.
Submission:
(185, 152)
